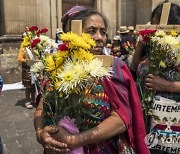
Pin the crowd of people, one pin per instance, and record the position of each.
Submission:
(123, 43)
(123, 126)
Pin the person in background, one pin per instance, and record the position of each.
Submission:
(23, 58)
(107, 48)
(59, 31)
(167, 86)
(122, 130)
(123, 32)
(132, 35)
(116, 46)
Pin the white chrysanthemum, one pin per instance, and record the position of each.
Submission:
(73, 77)
(54, 44)
(43, 38)
(96, 69)
(160, 33)
(37, 67)
(168, 39)
(156, 39)
(77, 75)
(48, 42)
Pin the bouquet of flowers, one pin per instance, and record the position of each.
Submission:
(37, 43)
(69, 73)
(163, 53)
(129, 47)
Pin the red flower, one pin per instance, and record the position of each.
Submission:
(44, 30)
(63, 47)
(146, 34)
(33, 28)
(35, 42)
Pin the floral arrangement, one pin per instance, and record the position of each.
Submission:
(163, 53)
(129, 47)
(69, 72)
(36, 42)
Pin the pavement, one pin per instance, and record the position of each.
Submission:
(16, 123)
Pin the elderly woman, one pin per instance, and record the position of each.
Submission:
(121, 129)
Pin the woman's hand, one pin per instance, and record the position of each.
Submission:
(64, 136)
(156, 83)
(50, 144)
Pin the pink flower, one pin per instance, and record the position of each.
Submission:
(35, 42)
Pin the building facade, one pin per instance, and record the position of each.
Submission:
(16, 15)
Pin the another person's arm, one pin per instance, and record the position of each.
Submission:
(137, 55)
(156, 83)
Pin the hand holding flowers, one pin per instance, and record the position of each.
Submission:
(163, 51)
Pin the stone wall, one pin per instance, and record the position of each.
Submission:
(10, 68)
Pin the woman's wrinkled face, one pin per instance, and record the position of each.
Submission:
(95, 26)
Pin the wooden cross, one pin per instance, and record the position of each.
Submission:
(163, 21)
(76, 27)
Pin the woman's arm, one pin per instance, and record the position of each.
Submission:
(38, 120)
(155, 83)
(137, 55)
(110, 127)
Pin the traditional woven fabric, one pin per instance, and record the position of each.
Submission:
(71, 12)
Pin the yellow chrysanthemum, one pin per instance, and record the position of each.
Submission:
(75, 41)
(83, 55)
(62, 54)
(57, 84)
(25, 42)
(162, 64)
(174, 33)
(59, 61)
(88, 39)
(50, 65)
